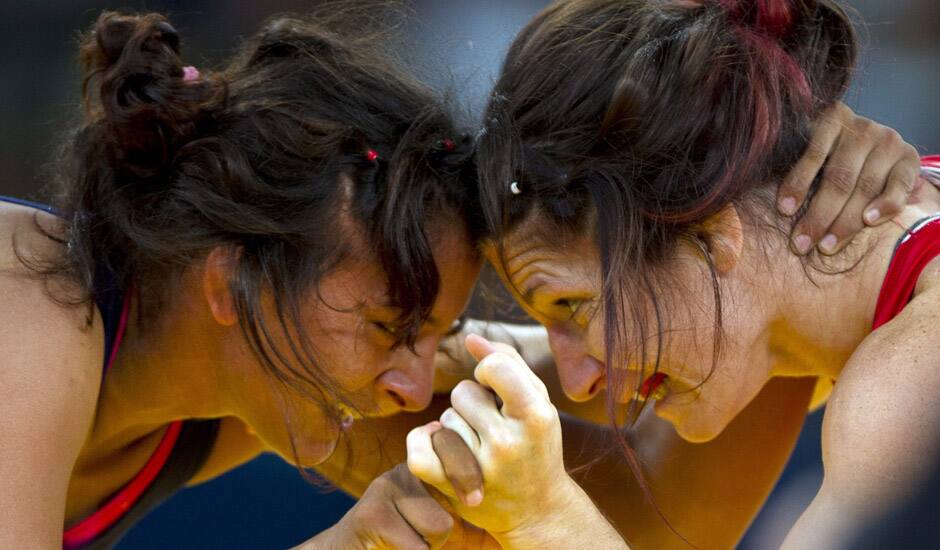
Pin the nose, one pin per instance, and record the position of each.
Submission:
(410, 384)
(582, 376)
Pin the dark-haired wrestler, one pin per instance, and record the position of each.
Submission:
(633, 212)
(234, 264)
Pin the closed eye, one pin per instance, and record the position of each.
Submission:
(571, 305)
(385, 328)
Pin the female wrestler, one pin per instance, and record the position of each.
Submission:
(238, 261)
(632, 214)
(197, 232)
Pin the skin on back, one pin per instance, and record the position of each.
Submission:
(48, 387)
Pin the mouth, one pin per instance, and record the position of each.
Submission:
(655, 387)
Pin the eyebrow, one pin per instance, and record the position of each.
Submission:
(530, 291)
(431, 320)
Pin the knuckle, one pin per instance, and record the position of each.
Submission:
(543, 416)
(448, 415)
(839, 179)
(869, 186)
(845, 228)
(808, 226)
(501, 444)
(439, 524)
(865, 126)
(491, 364)
(463, 389)
(907, 182)
(891, 137)
(816, 153)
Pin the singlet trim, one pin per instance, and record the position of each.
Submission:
(930, 169)
(102, 519)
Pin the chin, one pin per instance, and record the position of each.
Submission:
(692, 427)
(313, 452)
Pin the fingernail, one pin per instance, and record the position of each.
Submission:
(474, 498)
(788, 205)
(803, 243)
(828, 243)
(872, 215)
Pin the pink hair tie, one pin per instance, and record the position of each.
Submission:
(190, 73)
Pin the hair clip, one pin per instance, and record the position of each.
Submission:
(447, 144)
(190, 73)
(514, 188)
(372, 155)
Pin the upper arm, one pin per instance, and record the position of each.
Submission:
(880, 432)
(50, 375)
(50, 372)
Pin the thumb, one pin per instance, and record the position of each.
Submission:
(478, 346)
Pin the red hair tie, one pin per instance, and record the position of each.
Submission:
(372, 155)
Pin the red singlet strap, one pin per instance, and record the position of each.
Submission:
(97, 523)
(91, 527)
(917, 249)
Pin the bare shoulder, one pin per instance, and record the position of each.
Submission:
(50, 371)
(885, 399)
(880, 430)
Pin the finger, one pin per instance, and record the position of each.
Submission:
(452, 420)
(872, 179)
(902, 182)
(480, 348)
(460, 466)
(423, 462)
(513, 382)
(796, 184)
(397, 534)
(839, 180)
(421, 511)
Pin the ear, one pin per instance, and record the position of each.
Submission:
(724, 236)
(217, 273)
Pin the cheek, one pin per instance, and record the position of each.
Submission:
(594, 338)
(345, 349)
(353, 359)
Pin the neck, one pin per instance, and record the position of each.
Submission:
(819, 323)
(166, 369)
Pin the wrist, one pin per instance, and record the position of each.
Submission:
(563, 524)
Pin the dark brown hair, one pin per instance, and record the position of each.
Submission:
(635, 120)
(311, 124)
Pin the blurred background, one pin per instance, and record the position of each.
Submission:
(457, 46)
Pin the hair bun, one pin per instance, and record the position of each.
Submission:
(135, 87)
(113, 32)
(775, 18)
